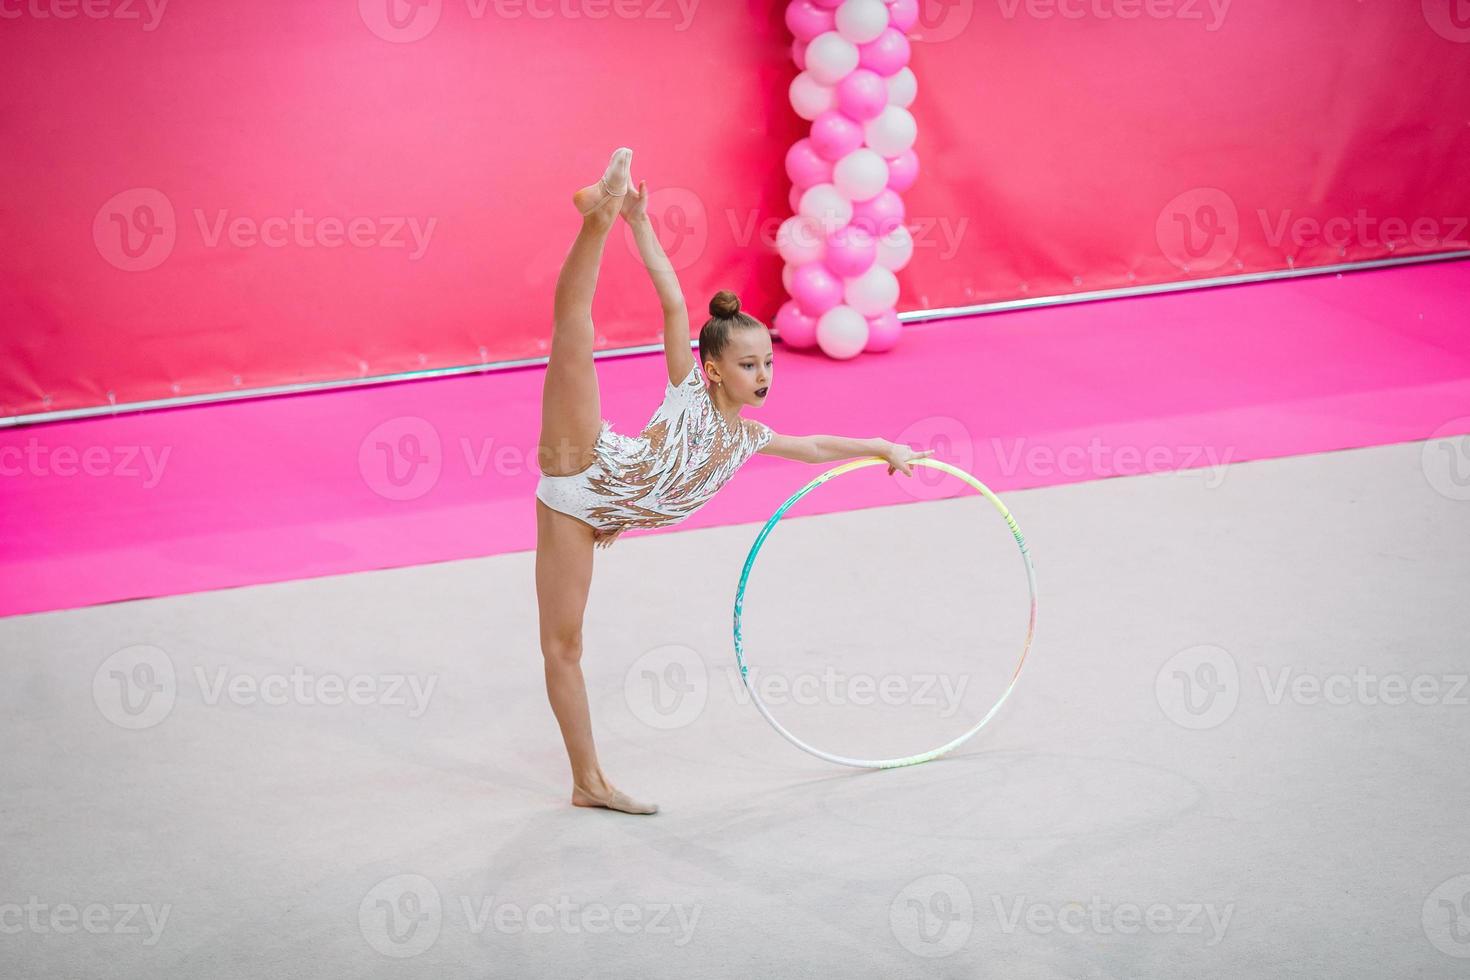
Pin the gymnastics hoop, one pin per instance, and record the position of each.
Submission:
(750, 563)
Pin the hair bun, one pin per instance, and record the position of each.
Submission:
(725, 305)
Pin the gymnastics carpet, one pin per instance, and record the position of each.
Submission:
(358, 776)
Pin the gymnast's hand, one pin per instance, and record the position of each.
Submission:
(635, 203)
(900, 457)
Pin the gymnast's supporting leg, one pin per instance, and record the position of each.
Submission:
(563, 579)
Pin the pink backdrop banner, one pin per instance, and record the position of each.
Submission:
(218, 196)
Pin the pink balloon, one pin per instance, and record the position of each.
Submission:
(794, 326)
(829, 4)
(805, 166)
(835, 135)
(886, 54)
(806, 20)
(795, 198)
(815, 289)
(798, 54)
(851, 251)
(862, 94)
(883, 332)
(880, 215)
(903, 170)
(903, 14)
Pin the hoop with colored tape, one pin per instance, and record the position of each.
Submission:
(750, 563)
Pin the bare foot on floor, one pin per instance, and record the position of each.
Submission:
(613, 185)
(605, 796)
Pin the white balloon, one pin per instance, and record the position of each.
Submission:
(842, 332)
(831, 57)
(873, 292)
(895, 249)
(861, 21)
(810, 98)
(800, 240)
(861, 175)
(827, 206)
(892, 132)
(902, 88)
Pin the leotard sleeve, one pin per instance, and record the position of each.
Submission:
(760, 434)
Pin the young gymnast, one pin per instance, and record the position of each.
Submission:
(596, 483)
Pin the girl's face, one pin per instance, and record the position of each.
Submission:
(746, 367)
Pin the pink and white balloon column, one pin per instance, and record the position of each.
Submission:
(847, 238)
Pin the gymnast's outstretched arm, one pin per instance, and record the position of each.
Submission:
(665, 281)
(831, 449)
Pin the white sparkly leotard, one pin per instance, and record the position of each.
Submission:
(685, 453)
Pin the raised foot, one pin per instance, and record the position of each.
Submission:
(611, 187)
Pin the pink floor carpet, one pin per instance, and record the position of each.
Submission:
(209, 497)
